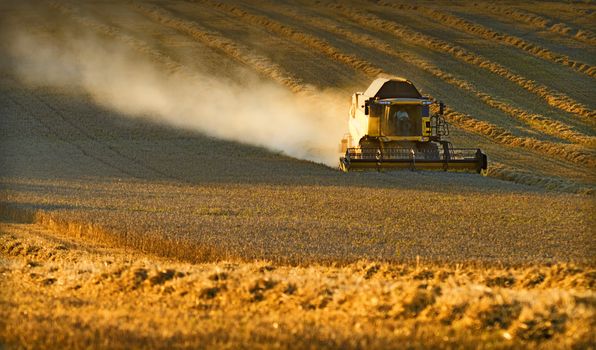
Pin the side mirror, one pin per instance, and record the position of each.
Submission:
(366, 103)
(441, 107)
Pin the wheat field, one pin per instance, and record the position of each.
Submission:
(168, 176)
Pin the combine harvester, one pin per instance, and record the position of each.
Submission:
(394, 129)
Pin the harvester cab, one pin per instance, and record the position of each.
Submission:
(391, 127)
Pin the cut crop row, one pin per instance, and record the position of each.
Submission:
(541, 23)
(564, 151)
(215, 40)
(455, 117)
(303, 38)
(487, 33)
(553, 98)
(536, 121)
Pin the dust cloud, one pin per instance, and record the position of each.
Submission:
(240, 108)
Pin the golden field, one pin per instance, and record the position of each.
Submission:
(105, 297)
(168, 180)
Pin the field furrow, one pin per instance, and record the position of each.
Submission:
(536, 121)
(553, 98)
(306, 39)
(540, 22)
(215, 40)
(571, 153)
(568, 152)
(532, 178)
(490, 34)
(577, 14)
(557, 43)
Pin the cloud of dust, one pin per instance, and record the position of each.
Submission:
(242, 108)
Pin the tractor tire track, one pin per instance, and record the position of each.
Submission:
(51, 129)
(479, 30)
(111, 149)
(542, 23)
(553, 98)
(536, 121)
(172, 66)
(568, 152)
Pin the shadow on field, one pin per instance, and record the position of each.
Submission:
(62, 135)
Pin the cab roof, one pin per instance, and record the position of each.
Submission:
(395, 87)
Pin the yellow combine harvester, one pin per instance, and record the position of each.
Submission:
(393, 128)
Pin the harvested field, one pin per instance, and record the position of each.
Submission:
(256, 304)
(168, 176)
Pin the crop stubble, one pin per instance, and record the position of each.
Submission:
(92, 289)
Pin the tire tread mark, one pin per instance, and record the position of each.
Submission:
(96, 140)
(80, 148)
